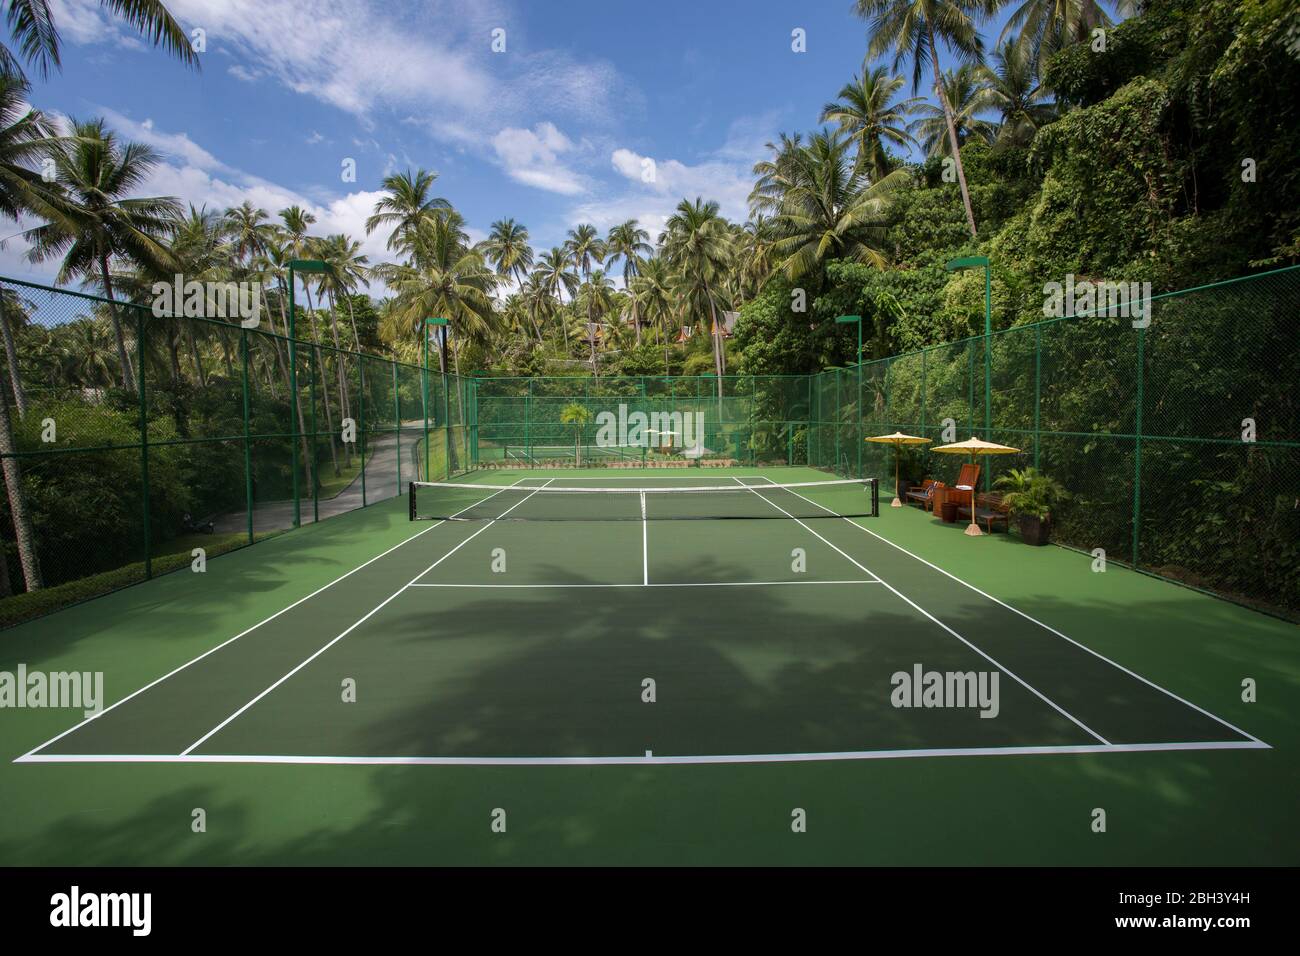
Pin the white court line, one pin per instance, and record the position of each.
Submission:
(373, 611)
(1046, 627)
(657, 584)
(1065, 749)
(249, 630)
(1010, 673)
(645, 545)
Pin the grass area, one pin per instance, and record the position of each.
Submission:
(1163, 808)
(172, 556)
(330, 483)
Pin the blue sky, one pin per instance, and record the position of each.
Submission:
(552, 132)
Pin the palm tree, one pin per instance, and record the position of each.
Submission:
(351, 269)
(628, 242)
(1010, 88)
(13, 314)
(22, 521)
(915, 28)
(443, 278)
(585, 248)
(201, 253)
(829, 211)
(652, 292)
(557, 278)
(1046, 26)
(866, 111)
(597, 296)
(93, 220)
(407, 205)
(296, 223)
(697, 244)
(25, 138)
(967, 96)
(577, 416)
(507, 248)
(32, 24)
(774, 176)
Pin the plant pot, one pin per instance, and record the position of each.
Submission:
(948, 512)
(1033, 529)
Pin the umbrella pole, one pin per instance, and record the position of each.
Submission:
(973, 529)
(896, 503)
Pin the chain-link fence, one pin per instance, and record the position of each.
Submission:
(1178, 442)
(640, 420)
(132, 439)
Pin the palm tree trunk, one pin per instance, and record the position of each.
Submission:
(198, 359)
(952, 134)
(345, 400)
(11, 353)
(18, 504)
(128, 376)
(284, 369)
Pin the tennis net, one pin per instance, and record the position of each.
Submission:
(448, 501)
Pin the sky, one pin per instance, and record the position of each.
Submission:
(558, 128)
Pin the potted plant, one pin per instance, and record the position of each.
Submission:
(1030, 496)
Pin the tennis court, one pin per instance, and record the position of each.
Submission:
(560, 617)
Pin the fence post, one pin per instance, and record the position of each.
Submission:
(315, 456)
(1038, 389)
(397, 418)
(248, 451)
(144, 439)
(1137, 445)
(361, 424)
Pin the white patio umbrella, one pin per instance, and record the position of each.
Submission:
(975, 446)
(898, 440)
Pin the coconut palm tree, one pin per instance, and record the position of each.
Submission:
(26, 137)
(1010, 88)
(698, 246)
(296, 223)
(14, 314)
(31, 22)
(447, 279)
(628, 241)
(915, 29)
(652, 292)
(507, 248)
(576, 415)
(1045, 26)
(557, 278)
(967, 96)
(866, 111)
(596, 299)
(93, 220)
(829, 209)
(774, 176)
(407, 205)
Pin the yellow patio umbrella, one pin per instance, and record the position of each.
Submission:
(975, 446)
(898, 439)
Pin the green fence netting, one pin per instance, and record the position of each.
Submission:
(1178, 442)
(132, 439)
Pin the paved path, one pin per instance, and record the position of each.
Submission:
(381, 484)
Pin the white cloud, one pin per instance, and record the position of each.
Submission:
(532, 157)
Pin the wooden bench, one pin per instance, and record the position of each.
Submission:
(926, 495)
(989, 508)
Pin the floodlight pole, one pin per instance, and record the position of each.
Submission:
(424, 335)
(844, 320)
(297, 265)
(977, 262)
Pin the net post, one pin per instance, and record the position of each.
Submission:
(410, 494)
(875, 497)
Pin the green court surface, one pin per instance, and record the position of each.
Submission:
(500, 661)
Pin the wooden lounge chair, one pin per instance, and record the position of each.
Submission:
(963, 488)
(989, 510)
